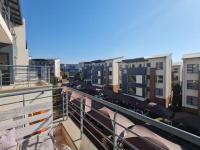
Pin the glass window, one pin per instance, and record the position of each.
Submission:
(175, 78)
(110, 73)
(159, 65)
(175, 70)
(192, 84)
(148, 64)
(159, 92)
(159, 79)
(192, 68)
(132, 90)
(132, 79)
(191, 100)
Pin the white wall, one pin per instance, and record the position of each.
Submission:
(166, 73)
(21, 54)
(139, 79)
(57, 67)
(189, 76)
(116, 71)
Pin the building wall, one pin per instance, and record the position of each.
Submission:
(98, 74)
(190, 92)
(166, 73)
(21, 53)
(57, 68)
(139, 84)
(147, 84)
(54, 65)
(86, 69)
(177, 73)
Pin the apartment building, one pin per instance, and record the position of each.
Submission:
(13, 50)
(86, 69)
(54, 65)
(13, 44)
(70, 69)
(102, 73)
(147, 78)
(177, 73)
(191, 83)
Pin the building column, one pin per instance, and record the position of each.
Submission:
(152, 86)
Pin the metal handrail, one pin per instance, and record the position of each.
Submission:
(15, 74)
(165, 127)
(189, 137)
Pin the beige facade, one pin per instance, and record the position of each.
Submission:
(21, 54)
(147, 78)
(177, 73)
(190, 86)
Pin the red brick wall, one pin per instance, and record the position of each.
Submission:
(152, 86)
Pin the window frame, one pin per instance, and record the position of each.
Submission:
(190, 100)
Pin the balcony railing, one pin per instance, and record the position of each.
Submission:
(5, 12)
(23, 75)
(108, 126)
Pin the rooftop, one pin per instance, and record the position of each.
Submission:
(159, 56)
(134, 60)
(191, 55)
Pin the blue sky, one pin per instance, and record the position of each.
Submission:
(81, 30)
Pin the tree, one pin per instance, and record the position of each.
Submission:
(79, 76)
(64, 75)
(177, 96)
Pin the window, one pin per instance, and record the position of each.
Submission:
(160, 79)
(175, 78)
(110, 64)
(192, 68)
(110, 73)
(133, 65)
(148, 64)
(159, 65)
(132, 79)
(140, 65)
(175, 70)
(99, 81)
(99, 73)
(191, 100)
(192, 84)
(159, 92)
(132, 90)
(110, 81)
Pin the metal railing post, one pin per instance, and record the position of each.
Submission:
(1, 82)
(114, 132)
(67, 105)
(28, 76)
(49, 78)
(63, 105)
(9, 26)
(81, 116)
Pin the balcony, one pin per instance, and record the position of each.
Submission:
(64, 118)
(5, 34)
(23, 77)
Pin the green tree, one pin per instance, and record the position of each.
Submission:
(79, 76)
(177, 96)
(64, 75)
